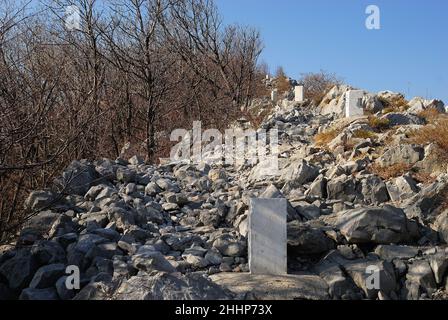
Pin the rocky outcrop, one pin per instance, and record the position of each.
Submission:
(179, 231)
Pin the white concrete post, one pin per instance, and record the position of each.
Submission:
(298, 94)
(274, 95)
(267, 236)
(353, 103)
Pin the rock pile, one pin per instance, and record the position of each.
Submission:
(179, 231)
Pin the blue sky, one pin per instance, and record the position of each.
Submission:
(409, 54)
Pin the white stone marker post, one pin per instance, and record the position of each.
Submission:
(267, 236)
(274, 96)
(353, 103)
(298, 93)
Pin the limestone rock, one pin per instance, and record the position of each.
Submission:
(303, 239)
(381, 225)
(163, 286)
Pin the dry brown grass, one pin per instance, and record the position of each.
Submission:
(435, 132)
(424, 177)
(430, 115)
(363, 134)
(388, 110)
(394, 104)
(323, 138)
(378, 123)
(390, 172)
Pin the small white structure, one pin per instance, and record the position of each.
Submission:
(267, 236)
(353, 103)
(274, 95)
(298, 93)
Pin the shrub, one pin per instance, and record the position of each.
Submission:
(389, 172)
(323, 138)
(436, 132)
(316, 85)
(429, 114)
(363, 134)
(378, 123)
(388, 110)
(283, 84)
(394, 104)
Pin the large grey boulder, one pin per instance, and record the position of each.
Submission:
(152, 189)
(270, 287)
(298, 173)
(126, 175)
(391, 252)
(401, 188)
(419, 279)
(418, 104)
(318, 188)
(152, 261)
(78, 178)
(441, 226)
(163, 286)
(400, 119)
(229, 246)
(167, 185)
(374, 190)
(41, 199)
(439, 265)
(381, 225)
(19, 270)
(343, 188)
(303, 239)
(401, 154)
(41, 223)
(358, 271)
(340, 285)
(425, 205)
(48, 252)
(47, 276)
(101, 290)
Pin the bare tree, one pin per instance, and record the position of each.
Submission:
(316, 85)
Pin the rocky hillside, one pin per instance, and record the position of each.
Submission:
(362, 192)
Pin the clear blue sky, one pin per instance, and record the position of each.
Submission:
(409, 54)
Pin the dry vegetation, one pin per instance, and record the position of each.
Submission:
(435, 132)
(394, 104)
(283, 84)
(363, 134)
(323, 138)
(390, 172)
(129, 75)
(430, 114)
(378, 123)
(317, 85)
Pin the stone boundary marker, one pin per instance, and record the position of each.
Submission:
(298, 93)
(353, 103)
(267, 236)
